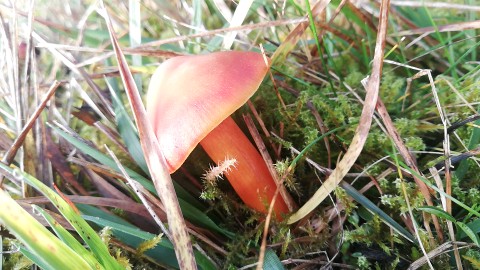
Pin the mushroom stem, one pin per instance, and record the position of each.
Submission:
(250, 178)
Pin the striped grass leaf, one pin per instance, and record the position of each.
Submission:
(40, 245)
(84, 230)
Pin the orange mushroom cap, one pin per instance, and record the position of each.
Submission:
(189, 96)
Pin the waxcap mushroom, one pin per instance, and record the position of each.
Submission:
(188, 96)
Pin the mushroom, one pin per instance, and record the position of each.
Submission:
(190, 100)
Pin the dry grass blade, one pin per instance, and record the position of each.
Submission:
(289, 43)
(435, 175)
(10, 155)
(444, 5)
(237, 20)
(21, 137)
(444, 248)
(268, 160)
(462, 26)
(221, 31)
(59, 164)
(128, 206)
(155, 161)
(280, 188)
(136, 188)
(363, 127)
(72, 65)
(29, 207)
(402, 149)
(448, 175)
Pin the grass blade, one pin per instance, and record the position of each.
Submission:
(190, 207)
(46, 248)
(272, 261)
(357, 196)
(237, 20)
(440, 213)
(88, 235)
(133, 236)
(68, 239)
(126, 127)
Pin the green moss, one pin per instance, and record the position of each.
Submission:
(377, 141)
(354, 79)
(414, 143)
(363, 263)
(368, 233)
(12, 257)
(473, 257)
(348, 205)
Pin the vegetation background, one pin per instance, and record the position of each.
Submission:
(76, 191)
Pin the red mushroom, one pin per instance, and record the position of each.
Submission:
(189, 101)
